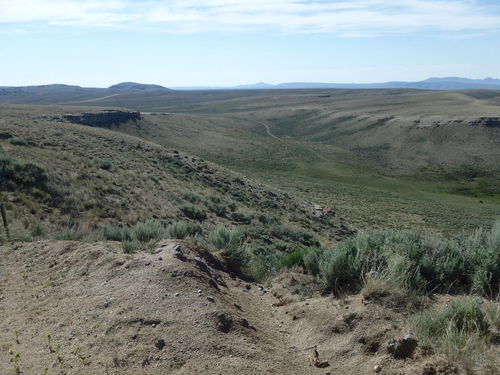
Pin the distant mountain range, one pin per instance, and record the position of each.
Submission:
(446, 83)
(48, 94)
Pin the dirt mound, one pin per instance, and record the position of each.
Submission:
(81, 308)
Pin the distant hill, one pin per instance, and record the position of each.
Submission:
(133, 86)
(66, 94)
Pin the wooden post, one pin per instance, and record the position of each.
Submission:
(4, 219)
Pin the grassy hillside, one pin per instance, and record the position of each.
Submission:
(70, 181)
(384, 157)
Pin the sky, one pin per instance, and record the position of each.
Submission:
(98, 43)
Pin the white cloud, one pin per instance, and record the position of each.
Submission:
(344, 18)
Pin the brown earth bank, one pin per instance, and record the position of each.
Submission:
(86, 308)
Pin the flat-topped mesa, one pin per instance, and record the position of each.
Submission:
(103, 119)
(489, 122)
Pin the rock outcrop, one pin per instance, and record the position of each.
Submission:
(103, 119)
(489, 122)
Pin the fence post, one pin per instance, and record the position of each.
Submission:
(4, 219)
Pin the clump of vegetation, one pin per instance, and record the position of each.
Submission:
(493, 314)
(461, 316)
(182, 229)
(267, 219)
(194, 212)
(135, 236)
(66, 234)
(217, 208)
(414, 262)
(231, 242)
(105, 164)
(191, 197)
(116, 233)
(459, 331)
(261, 262)
(21, 176)
(130, 247)
(5, 135)
(224, 238)
(295, 258)
(36, 229)
(19, 142)
(241, 217)
(148, 230)
(293, 235)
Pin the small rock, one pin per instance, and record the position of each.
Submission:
(177, 294)
(224, 322)
(200, 291)
(402, 348)
(160, 344)
(408, 337)
(158, 250)
(377, 368)
(211, 299)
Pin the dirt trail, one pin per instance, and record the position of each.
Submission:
(80, 308)
(268, 131)
(93, 100)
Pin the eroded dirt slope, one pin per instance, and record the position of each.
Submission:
(77, 308)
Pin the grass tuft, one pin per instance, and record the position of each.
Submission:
(193, 212)
(139, 233)
(231, 242)
(182, 229)
(460, 332)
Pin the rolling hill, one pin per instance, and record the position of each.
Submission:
(388, 157)
(65, 179)
(383, 157)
